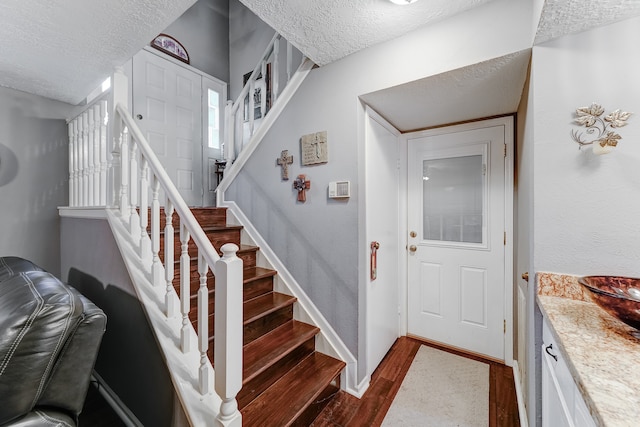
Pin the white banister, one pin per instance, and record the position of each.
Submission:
(228, 333)
(228, 271)
(90, 142)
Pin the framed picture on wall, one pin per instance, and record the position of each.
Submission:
(261, 88)
(171, 47)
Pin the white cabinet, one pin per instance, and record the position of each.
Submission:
(562, 402)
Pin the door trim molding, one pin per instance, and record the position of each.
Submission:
(508, 123)
(366, 113)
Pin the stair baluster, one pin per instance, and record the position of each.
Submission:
(185, 290)
(145, 249)
(170, 294)
(203, 325)
(133, 195)
(156, 268)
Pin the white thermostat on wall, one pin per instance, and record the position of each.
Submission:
(339, 189)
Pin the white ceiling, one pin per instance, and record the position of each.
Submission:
(327, 30)
(489, 88)
(63, 49)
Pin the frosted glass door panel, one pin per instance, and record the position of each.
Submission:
(453, 197)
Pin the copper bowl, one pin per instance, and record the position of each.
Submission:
(618, 296)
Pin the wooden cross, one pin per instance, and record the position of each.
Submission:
(302, 185)
(284, 161)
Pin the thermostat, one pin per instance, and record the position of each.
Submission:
(339, 189)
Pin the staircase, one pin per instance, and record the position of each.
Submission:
(285, 381)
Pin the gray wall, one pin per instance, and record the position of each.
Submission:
(34, 175)
(318, 240)
(204, 32)
(129, 360)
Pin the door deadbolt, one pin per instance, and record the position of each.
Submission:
(139, 116)
(413, 234)
(413, 248)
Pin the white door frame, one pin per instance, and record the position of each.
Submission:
(508, 123)
(372, 116)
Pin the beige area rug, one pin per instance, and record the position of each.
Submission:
(441, 390)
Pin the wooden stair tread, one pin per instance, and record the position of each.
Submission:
(243, 248)
(264, 304)
(211, 228)
(253, 273)
(271, 347)
(285, 400)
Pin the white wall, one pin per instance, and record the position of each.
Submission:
(204, 32)
(587, 207)
(34, 175)
(318, 240)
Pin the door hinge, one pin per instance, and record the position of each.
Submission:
(398, 164)
(505, 238)
(505, 150)
(504, 325)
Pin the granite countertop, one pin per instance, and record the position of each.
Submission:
(601, 353)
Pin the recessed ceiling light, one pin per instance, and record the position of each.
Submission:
(403, 2)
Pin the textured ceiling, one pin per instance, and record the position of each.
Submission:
(327, 30)
(63, 49)
(489, 88)
(561, 17)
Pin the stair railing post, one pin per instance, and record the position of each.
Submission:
(145, 248)
(204, 373)
(85, 159)
(134, 222)
(169, 259)
(156, 266)
(104, 118)
(96, 154)
(228, 333)
(275, 73)
(229, 127)
(124, 175)
(90, 159)
(185, 288)
(114, 170)
(71, 177)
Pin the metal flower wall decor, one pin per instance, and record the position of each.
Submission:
(604, 140)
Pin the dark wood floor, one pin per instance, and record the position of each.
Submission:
(346, 410)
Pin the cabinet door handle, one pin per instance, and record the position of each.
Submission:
(550, 347)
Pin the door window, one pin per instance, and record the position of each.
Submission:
(453, 198)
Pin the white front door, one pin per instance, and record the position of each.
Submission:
(382, 226)
(167, 105)
(456, 242)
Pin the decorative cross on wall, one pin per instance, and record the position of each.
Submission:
(284, 161)
(302, 184)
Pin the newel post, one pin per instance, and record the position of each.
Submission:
(228, 332)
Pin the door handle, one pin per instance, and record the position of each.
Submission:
(548, 351)
(525, 276)
(139, 116)
(413, 248)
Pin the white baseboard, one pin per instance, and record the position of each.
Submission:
(118, 406)
(522, 410)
